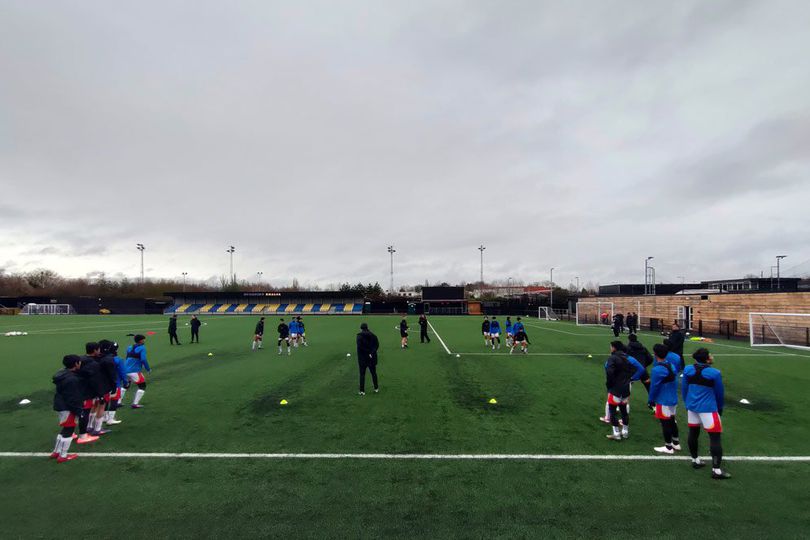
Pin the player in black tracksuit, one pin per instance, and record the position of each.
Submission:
(485, 330)
(423, 328)
(92, 390)
(195, 328)
(67, 402)
(173, 330)
(403, 333)
(283, 336)
(618, 324)
(109, 377)
(618, 373)
(367, 346)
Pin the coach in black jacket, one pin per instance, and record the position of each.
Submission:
(173, 330)
(676, 339)
(367, 346)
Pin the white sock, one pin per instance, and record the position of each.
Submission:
(607, 410)
(91, 421)
(625, 430)
(260, 344)
(138, 395)
(616, 430)
(110, 416)
(253, 345)
(123, 391)
(99, 422)
(57, 448)
(696, 460)
(65, 446)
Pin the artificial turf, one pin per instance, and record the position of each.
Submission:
(431, 402)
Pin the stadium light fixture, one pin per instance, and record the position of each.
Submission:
(578, 289)
(778, 260)
(184, 281)
(259, 277)
(230, 250)
(141, 248)
(648, 287)
(391, 252)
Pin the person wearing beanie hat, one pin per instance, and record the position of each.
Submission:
(367, 346)
(703, 394)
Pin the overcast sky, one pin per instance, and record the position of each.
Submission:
(311, 135)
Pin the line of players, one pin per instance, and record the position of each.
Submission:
(515, 334)
(90, 389)
(701, 390)
(288, 334)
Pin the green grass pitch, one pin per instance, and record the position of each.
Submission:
(430, 403)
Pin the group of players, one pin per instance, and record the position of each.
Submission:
(701, 388)
(90, 389)
(515, 334)
(290, 335)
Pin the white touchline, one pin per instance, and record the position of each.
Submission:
(435, 333)
(601, 354)
(448, 457)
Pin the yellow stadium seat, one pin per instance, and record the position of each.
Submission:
(241, 308)
(308, 308)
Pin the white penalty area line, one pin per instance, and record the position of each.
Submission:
(435, 333)
(411, 457)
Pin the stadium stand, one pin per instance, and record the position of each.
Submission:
(265, 303)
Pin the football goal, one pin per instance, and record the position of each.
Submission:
(594, 313)
(545, 313)
(47, 309)
(780, 330)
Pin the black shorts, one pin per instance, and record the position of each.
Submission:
(403, 334)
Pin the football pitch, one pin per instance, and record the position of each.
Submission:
(215, 454)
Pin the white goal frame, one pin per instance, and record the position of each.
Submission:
(598, 305)
(546, 313)
(752, 325)
(47, 309)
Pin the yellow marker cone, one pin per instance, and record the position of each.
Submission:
(590, 356)
(493, 401)
(210, 354)
(283, 402)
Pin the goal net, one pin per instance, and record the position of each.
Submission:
(545, 313)
(47, 309)
(780, 330)
(594, 313)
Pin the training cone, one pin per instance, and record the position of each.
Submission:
(210, 354)
(493, 401)
(283, 402)
(590, 356)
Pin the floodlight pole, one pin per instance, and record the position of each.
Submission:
(577, 278)
(184, 281)
(259, 277)
(551, 292)
(647, 275)
(230, 250)
(141, 248)
(391, 252)
(778, 260)
(481, 248)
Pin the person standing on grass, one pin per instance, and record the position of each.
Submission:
(674, 359)
(664, 398)
(703, 395)
(618, 324)
(92, 389)
(485, 330)
(134, 363)
(403, 333)
(195, 328)
(67, 402)
(302, 333)
(423, 329)
(283, 336)
(510, 332)
(258, 333)
(495, 332)
(173, 330)
(676, 339)
(367, 346)
(618, 374)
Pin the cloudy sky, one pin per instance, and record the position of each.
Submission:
(311, 135)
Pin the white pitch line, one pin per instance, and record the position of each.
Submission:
(600, 354)
(436, 457)
(435, 333)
